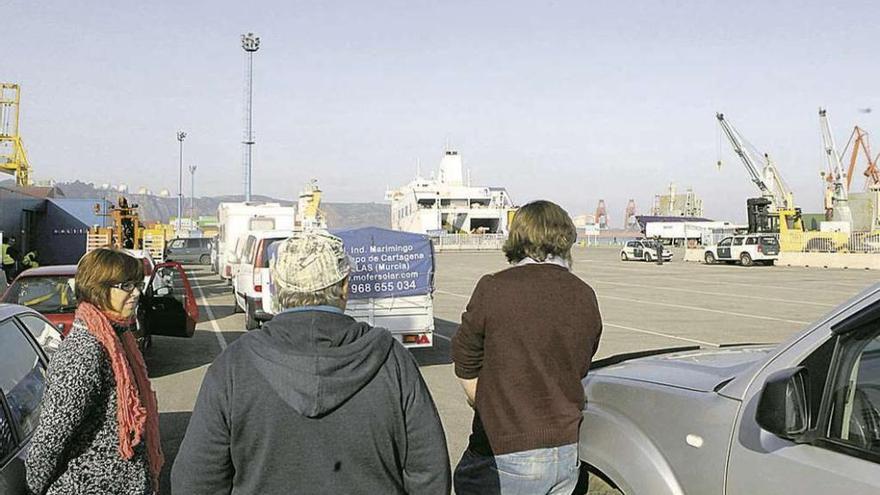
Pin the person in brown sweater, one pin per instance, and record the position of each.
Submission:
(525, 342)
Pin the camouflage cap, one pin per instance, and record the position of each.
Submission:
(310, 261)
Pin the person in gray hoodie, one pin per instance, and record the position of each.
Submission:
(314, 401)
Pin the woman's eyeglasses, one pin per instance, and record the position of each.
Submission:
(130, 286)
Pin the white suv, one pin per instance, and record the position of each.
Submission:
(250, 274)
(747, 249)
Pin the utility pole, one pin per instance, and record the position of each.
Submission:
(180, 137)
(192, 195)
(250, 44)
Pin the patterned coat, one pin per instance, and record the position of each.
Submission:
(75, 449)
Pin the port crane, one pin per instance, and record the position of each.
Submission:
(837, 204)
(629, 216)
(601, 216)
(13, 158)
(858, 144)
(774, 210)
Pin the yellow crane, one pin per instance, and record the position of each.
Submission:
(13, 158)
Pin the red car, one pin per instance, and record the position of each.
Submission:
(47, 290)
(167, 307)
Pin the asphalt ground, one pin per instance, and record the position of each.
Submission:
(644, 306)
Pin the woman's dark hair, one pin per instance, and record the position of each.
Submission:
(102, 268)
(539, 230)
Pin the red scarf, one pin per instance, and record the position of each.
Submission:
(137, 412)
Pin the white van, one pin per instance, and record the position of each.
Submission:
(236, 219)
(251, 271)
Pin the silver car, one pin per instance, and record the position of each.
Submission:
(27, 342)
(801, 417)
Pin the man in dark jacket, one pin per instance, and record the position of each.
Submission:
(314, 401)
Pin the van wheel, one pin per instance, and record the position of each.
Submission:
(710, 258)
(624, 257)
(745, 259)
(250, 318)
(205, 259)
(648, 257)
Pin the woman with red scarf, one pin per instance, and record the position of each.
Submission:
(99, 426)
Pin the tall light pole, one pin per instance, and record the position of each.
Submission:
(192, 195)
(180, 137)
(250, 44)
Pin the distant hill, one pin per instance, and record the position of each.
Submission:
(156, 208)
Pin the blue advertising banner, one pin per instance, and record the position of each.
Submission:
(388, 263)
(385, 263)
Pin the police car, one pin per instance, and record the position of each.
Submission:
(644, 250)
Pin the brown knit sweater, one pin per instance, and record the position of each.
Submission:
(529, 333)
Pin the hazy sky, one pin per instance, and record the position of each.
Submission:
(566, 100)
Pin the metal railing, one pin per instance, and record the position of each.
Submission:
(468, 242)
(830, 242)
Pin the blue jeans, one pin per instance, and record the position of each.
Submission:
(551, 471)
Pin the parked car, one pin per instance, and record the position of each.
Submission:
(801, 417)
(27, 343)
(643, 249)
(189, 250)
(747, 249)
(251, 271)
(167, 307)
(48, 290)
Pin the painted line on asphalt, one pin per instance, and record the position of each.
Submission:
(659, 334)
(438, 334)
(696, 308)
(678, 306)
(614, 325)
(213, 320)
(722, 294)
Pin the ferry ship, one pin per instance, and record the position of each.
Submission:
(449, 205)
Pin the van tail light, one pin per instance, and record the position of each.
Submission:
(760, 248)
(228, 271)
(258, 288)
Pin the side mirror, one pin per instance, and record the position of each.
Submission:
(784, 405)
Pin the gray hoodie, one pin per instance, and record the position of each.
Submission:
(314, 402)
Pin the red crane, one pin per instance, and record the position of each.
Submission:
(860, 146)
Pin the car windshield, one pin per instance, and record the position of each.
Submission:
(769, 241)
(52, 294)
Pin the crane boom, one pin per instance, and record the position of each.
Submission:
(737, 142)
(840, 210)
(834, 163)
(768, 180)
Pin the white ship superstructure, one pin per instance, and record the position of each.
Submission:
(447, 204)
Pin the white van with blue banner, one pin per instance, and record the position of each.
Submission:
(391, 284)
